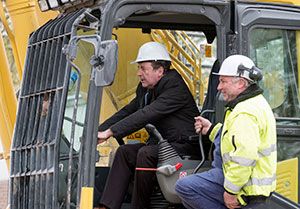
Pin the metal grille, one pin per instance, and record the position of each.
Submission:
(35, 149)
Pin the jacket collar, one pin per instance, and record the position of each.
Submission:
(252, 91)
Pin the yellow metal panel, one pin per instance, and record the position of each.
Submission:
(86, 200)
(287, 179)
(140, 135)
(295, 2)
(126, 80)
(107, 107)
(8, 103)
(43, 17)
(25, 17)
(12, 40)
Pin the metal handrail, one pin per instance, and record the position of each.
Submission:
(201, 144)
(187, 51)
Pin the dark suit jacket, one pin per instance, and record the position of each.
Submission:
(172, 110)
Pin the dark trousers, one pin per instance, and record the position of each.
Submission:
(127, 158)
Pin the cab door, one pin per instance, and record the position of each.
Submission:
(269, 34)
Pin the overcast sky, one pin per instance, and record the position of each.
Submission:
(3, 167)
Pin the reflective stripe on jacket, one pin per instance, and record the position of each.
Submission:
(248, 148)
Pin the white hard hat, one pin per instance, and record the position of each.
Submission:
(152, 51)
(230, 66)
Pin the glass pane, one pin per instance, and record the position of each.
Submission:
(84, 52)
(275, 52)
(288, 149)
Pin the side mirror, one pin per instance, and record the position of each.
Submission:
(105, 63)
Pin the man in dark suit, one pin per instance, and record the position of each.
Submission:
(162, 99)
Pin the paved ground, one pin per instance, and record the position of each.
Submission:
(3, 193)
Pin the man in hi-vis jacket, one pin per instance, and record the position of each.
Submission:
(245, 157)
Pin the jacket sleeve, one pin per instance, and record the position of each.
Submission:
(240, 154)
(172, 98)
(124, 112)
(214, 131)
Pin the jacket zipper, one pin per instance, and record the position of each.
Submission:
(233, 143)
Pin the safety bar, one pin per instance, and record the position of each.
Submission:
(201, 144)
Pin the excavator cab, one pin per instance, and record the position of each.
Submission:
(189, 39)
(72, 61)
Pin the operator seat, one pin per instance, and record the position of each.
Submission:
(213, 102)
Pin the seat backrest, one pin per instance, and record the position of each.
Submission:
(219, 108)
(210, 99)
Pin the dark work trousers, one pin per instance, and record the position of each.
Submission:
(127, 158)
(204, 190)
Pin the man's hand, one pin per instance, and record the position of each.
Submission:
(104, 135)
(202, 125)
(231, 201)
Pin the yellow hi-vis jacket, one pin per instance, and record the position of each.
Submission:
(248, 148)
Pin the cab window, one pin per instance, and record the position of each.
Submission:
(276, 52)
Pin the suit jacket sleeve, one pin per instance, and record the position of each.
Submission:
(172, 96)
(124, 112)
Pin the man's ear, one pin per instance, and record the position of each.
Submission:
(242, 83)
(160, 71)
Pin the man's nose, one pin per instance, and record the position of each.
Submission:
(139, 72)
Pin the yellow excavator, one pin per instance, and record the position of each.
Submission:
(73, 58)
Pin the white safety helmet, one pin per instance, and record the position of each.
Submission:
(230, 66)
(152, 51)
